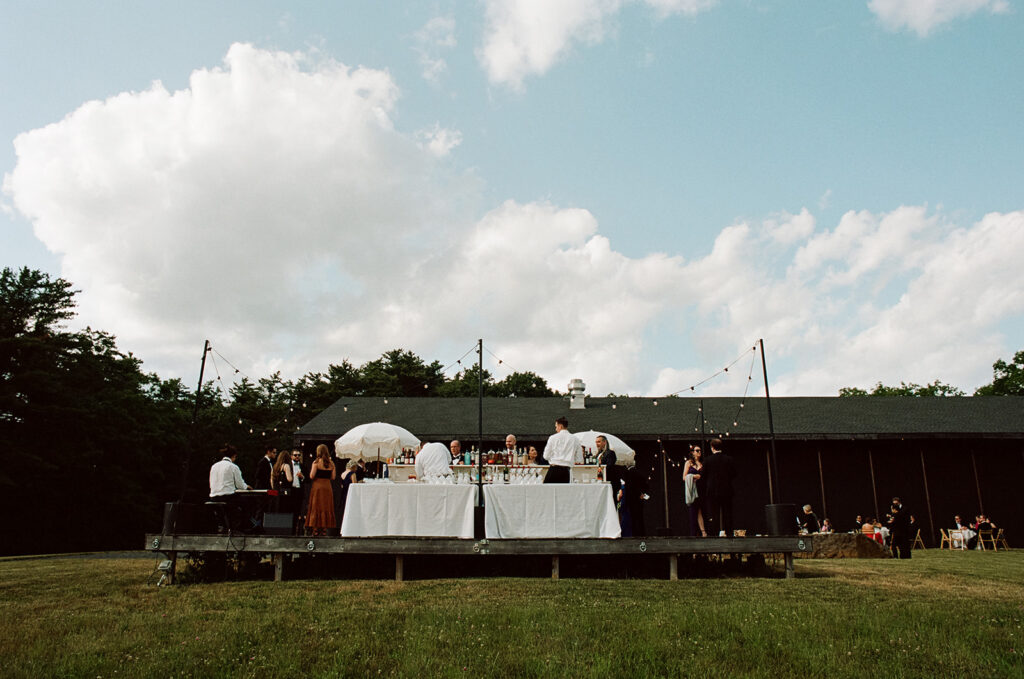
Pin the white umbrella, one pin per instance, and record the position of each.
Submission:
(374, 440)
(623, 453)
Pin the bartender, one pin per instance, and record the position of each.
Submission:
(561, 451)
(433, 460)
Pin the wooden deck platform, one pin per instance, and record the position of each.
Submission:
(278, 547)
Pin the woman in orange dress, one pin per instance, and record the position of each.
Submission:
(320, 516)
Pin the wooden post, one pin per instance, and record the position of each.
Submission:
(927, 495)
(821, 480)
(874, 490)
(977, 484)
(790, 572)
(399, 575)
(554, 567)
(278, 567)
(673, 567)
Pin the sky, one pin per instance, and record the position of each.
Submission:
(630, 192)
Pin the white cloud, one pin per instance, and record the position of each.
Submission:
(924, 16)
(256, 207)
(830, 319)
(526, 37)
(274, 208)
(434, 38)
(440, 141)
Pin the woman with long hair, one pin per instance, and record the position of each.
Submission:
(281, 481)
(320, 516)
(692, 479)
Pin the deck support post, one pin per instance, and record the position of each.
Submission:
(278, 567)
(554, 567)
(790, 572)
(399, 568)
(673, 566)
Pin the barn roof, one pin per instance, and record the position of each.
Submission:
(679, 418)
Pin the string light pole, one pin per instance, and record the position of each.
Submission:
(192, 428)
(480, 422)
(774, 488)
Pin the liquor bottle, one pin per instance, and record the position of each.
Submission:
(385, 470)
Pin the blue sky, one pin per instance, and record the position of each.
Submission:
(627, 192)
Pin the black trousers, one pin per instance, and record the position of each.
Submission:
(557, 475)
(901, 544)
(720, 510)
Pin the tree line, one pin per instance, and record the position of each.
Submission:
(92, 445)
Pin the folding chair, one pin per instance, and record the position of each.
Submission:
(986, 536)
(918, 541)
(1001, 540)
(944, 541)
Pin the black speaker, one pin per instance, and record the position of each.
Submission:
(278, 523)
(170, 517)
(184, 518)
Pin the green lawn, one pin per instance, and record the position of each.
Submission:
(940, 614)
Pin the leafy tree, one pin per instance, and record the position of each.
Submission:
(523, 384)
(400, 373)
(315, 391)
(467, 383)
(936, 388)
(1008, 378)
(94, 450)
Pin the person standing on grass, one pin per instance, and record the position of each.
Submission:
(899, 530)
(809, 521)
(719, 472)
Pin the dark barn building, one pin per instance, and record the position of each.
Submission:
(844, 456)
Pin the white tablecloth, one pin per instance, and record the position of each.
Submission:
(417, 509)
(553, 510)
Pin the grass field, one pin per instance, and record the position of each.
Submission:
(940, 614)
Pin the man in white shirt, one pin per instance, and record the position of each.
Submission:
(561, 451)
(225, 476)
(433, 460)
(225, 481)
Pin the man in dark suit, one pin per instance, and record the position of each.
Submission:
(719, 473)
(265, 469)
(899, 530)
